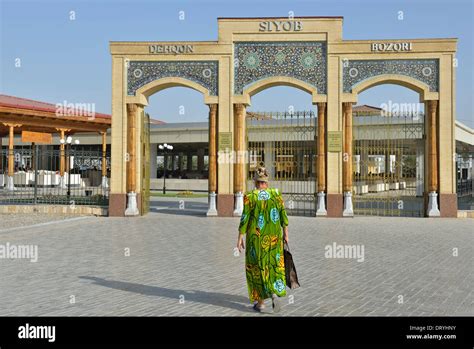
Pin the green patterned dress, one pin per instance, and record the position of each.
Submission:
(262, 220)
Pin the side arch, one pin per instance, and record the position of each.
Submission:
(396, 79)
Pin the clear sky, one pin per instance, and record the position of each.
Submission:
(63, 59)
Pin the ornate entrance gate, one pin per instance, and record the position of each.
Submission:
(308, 53)
(285, 143)
(388, 165)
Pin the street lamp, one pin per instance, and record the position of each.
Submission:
(164, 147)
(68, 143)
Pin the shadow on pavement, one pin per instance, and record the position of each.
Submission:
(212, 298)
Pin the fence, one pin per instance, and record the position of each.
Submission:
(285, 143)
(37, 177)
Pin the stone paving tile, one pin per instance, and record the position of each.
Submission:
(183, 265)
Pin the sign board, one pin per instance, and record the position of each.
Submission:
(278, 26)
(171, 49)
(225, 141)
(36, 137)
(334, 141)
(391, 46)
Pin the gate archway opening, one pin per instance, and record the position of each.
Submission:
(389, 152)
(283, 138)
(178, 175)
(140, 134)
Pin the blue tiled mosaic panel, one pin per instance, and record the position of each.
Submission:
(305, 61)
(424, 70)
(204, 73)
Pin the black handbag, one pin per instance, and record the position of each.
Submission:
(290, 270)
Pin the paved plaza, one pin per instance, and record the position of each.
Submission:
(177, 262)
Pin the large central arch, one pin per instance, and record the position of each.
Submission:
(244, 100)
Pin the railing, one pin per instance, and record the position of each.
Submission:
(37, 177)
(464, 187)
(285, 143)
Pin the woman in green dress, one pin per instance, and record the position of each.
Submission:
(262, 220)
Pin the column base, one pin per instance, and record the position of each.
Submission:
(448, 205)
(225, 205)
(334, 205)
(132, 208)
(105, 182)
(212, 211)
(10, 186)
(321, 211)
(117, 204)
(433, 210)
(239, 204)
(348, 208)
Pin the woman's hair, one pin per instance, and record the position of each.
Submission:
(261, 175)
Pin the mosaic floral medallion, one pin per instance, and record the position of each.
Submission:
(251, 60)
(138, 73)
(308, 60)
(280, 58)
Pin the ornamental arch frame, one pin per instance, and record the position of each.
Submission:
(395, 79)
(269, 82)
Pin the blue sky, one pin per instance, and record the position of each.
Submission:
(69, 60)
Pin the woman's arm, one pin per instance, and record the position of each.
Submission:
(244, 221)
(240, 242)
(285, 234)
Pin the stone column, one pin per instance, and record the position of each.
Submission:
(180, 162)
(433, 210)
(153, 161)
(105, 181)
(11, 158)
(321, 160)
(131, 157)
(239, 165)
(62, 158)
(212, 177)
(189, 162)
(347, 159)
(173, 161)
